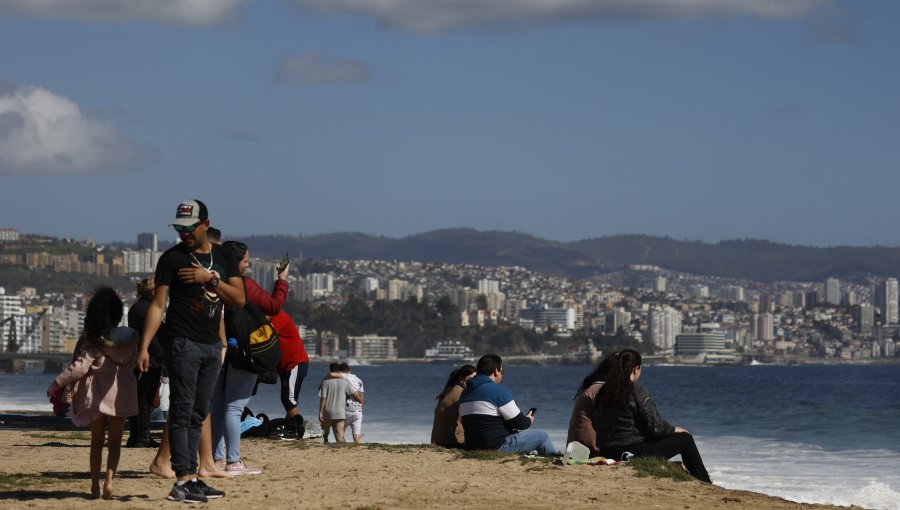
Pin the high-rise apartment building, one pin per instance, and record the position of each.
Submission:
(865, 318)
(832, 291)
(664, 325)
(886, 299)
(765, 327)
(660, 284)
(486, 286)
(147, 241)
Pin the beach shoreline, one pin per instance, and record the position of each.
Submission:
(49, 469)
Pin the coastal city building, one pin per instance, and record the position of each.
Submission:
(664, 324)
(886, 299)
(833, 291)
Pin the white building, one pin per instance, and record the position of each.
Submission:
(12, 319)
(886, 299)
(664, 326)
(544, 317)
(660, 284)
(833, 291)
(264, 273)
(372, 347)
(486, 286)
(9, 234)
(140, 261)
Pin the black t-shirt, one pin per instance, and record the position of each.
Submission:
(193, 311)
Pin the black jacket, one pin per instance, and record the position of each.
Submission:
(636, 421)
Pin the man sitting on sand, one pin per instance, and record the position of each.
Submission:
(491, 419)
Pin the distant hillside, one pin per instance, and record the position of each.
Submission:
(751, 259)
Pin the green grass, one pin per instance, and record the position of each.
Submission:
(78, 436)
(659, 468)
(13, 481)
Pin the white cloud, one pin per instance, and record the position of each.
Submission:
(437, 15)
(183, 12)
(44, 133)
(314, 69)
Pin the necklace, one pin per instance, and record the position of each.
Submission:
(200, 264)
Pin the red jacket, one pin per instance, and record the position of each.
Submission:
(270, 305)
(292, 351)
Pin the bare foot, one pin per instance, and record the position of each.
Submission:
(161, 470)
(215, 472)
(107, 491)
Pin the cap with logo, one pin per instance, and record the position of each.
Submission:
(190, 212)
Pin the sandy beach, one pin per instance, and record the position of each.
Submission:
(50, 470)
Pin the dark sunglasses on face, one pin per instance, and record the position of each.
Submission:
(187, 228)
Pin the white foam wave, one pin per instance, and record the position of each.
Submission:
(805, 473)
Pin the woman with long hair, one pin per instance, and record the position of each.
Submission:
(447, 430)
(581, 424)
(628, 420)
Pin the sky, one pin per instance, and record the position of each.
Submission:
(566, 119)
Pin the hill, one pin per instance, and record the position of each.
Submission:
(749, 259)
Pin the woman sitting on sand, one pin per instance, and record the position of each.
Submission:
(447, 430)
(581, 424)
(627, 419)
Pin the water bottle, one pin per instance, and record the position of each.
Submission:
(232, 343)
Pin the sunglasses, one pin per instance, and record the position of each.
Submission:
(187, 228)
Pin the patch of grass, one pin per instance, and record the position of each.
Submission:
(13, 481)
(485, 455)
(397, 448)
(659, 468)
(79, 436)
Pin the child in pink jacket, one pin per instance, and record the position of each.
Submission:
(103, 382)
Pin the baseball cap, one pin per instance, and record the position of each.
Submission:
(190, 212)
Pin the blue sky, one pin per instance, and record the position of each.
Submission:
(567, 119)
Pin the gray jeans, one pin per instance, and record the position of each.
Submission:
(193, 368)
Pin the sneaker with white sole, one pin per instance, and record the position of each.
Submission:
(188, 492)
(240, 468)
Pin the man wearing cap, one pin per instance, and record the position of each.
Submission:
(197, 278)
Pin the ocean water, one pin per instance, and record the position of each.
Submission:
(813, 434)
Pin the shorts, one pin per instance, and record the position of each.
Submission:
(354, 421)
(291, 382)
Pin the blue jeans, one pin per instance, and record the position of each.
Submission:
(230, 396)
(528, 440)
(193, 368)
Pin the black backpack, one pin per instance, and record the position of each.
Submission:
(257, 347)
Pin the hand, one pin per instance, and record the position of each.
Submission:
(321, 418)
(53, 388)
(143, 361)
(282, 275)
(194, 274)
(530, 416)
(679, 429)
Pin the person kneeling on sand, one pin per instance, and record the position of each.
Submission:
(488, 413)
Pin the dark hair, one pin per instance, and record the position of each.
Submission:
(214, 235)
(599, 374)
(617, 389)
(236, 248)
(488, 363)
(457, 376)
(344, 367)
(334, 367)
(104, 312)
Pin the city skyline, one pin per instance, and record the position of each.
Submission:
(706, 120)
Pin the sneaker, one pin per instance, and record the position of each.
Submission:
(284, 432)
(208, 491)
(220, 464)
(186, 493)
(239, 468)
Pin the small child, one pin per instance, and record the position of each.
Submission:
(104, 387)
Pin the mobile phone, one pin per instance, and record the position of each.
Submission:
(532, 411)
(283, 264)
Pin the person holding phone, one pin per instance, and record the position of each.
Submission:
(492, 420)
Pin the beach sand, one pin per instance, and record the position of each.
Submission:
(50, 470)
